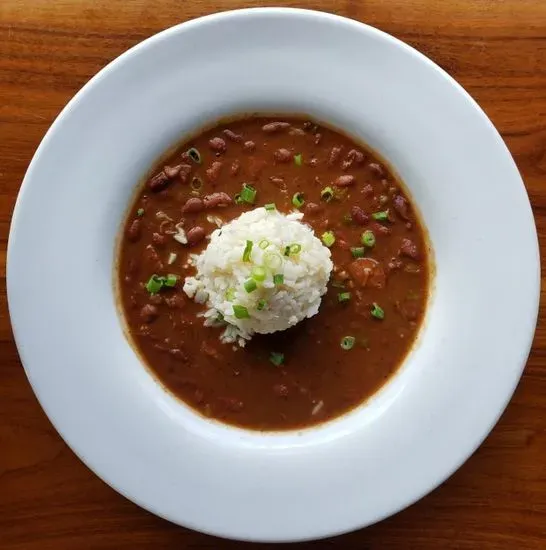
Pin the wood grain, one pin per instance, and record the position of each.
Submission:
(48, 50)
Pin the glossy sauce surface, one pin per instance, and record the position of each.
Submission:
(388, 284)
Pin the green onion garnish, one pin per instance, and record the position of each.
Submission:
(292, 249)
(196, 183)
(278, 278)
(247, 251)
(248, 194)
(261, 304)
(154, 284)
(327, 194)
(377, 312)
(276, 358)
(263, 244)
(270, 206)
(140, 212)
(240, 312)
(250, 285)
(258, 273)
(194, 154)
(170, 280)
(347, 342)
(238, 199)
(343, 297)
(328, 238)
(272, 260)
(358, 251)
(295, 248)
(298, 159)
(381, 216)
(230, 294)
(368, 238)
(297, 200)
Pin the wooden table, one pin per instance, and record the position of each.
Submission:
(48, 50)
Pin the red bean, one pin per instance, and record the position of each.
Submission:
(249, 146)
(359, 216)
(218, 145)
(344, 180)
(334, 155)
(232, 136)
(149, 313)
(214, 171)
(159, 239)
(172, 171)
(377, 170)
(273, 127)
(367, 190)
(282, 155)
(195, 204)
(409, 249)
(217, 199)
(235, 167)
(312, 209)
(158, 182)
(185, 171)
(401, 207)
(195, 235)
(133, 231)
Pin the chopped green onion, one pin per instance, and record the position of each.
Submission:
(140, 212)
(194, 154)
(278, 278)
(377, 312)
(292, 249)
(270, 206)
(238, 199)
(219, 317)
(261, 304)
(343, 297)
(328, 238)
(272, 260)
(368, 238)
(298, 159)
(170, 280)
(276, 358)
(172, 258)
(250, 285)
(295, 248)
(230, 294)
(240, 312)
(381, 216)
(248, 194)
(327, 194)
(258, 273)
(247, 251)
(196, 183)
(297, 200)
(263, 244)
(358, 251)
(154, 284)
(347, 342)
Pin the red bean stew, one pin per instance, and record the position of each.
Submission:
(376, 299)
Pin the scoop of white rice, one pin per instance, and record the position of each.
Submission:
(222, 272)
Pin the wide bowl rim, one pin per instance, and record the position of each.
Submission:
(164, 35)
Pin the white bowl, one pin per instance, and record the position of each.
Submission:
(355, 470)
